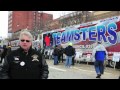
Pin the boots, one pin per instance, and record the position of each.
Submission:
(98, 76)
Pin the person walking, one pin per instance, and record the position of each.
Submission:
(99, 55)
(25, 62)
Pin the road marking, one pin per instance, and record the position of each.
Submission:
(57, 68)
(82, 69)
(89, 70)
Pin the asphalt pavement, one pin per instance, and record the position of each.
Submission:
(79, 71)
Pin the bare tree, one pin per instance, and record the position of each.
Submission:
(41, 20)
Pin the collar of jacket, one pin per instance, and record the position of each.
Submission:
(22, 50)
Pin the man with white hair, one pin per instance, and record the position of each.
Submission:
(25, 62)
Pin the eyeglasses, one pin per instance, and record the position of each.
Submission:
(25, 40)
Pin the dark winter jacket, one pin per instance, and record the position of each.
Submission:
(4, 53)
(21, 65)
(8, 50)
(61, 51)
(69, 51)
(56, 52)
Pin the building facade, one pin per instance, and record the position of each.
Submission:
(31, 20)
(79, 17)
(53, 24)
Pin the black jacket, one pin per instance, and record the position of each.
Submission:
(4, 53)
(21, 65)
(56, 52)
(69, 51)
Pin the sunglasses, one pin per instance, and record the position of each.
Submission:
(25, 40)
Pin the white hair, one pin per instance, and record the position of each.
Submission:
(26, 33)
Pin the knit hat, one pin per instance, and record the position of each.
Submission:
(70, 44)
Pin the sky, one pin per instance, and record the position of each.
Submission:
(3, 24)
(4, 20)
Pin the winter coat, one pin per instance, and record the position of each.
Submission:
(99, 53)
(69, 51)
(21, 65)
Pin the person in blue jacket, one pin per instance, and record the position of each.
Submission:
(99, 55)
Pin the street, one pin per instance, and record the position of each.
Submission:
(79, 71)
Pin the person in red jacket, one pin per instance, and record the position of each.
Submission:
(47, 40)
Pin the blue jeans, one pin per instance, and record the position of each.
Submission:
(99, 67)
(55, 60)
(68, 61)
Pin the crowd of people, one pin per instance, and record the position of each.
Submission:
(99, 56)
(69, 51)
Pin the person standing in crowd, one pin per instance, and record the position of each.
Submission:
(25, 62)
(69, 51)
(55, 54)
(39, 49)
(99, 55)
(42, 52)
(8, 50)
(73, 58)
(36, 48)
(60, 55)
(4, 53)
(46, 52)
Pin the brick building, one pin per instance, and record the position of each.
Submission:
(31, 20)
